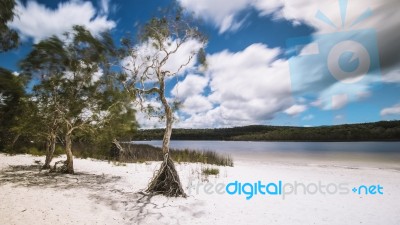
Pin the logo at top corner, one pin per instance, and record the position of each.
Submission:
(346, 58)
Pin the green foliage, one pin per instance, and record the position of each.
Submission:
(35, 151)
(48, 58)
(157, 29)
(13, 107)
(201, 57)
(69, 101)
(210, 171)
(58, 151)
(9, 38)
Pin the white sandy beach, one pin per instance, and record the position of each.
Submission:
(104, 193)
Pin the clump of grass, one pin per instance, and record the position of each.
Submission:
(207, 157)
(210, 171)
(118, 163)
(142, 152)
(35, 151)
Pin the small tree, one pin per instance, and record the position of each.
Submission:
(149, 65)
(47, 120)
(118, 123)
(46, 64)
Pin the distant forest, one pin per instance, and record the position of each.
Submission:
(378, 131)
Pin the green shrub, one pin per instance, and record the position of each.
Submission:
(210, 171)
(58, 151)
(36, 152)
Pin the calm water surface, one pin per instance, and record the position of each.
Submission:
(249, 147)
(371, 151)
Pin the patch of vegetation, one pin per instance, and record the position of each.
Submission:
(142, 152)
(116, 163)
(36, 152)
(210, 171)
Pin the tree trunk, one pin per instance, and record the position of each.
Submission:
(50, 148)
(166, 181)
(169, 117)
(168, 131)
(68, 150)
(15, 139)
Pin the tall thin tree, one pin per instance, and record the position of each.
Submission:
(167, 48)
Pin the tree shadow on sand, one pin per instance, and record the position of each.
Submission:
(135, 207)
(33, 176)
(142, 208)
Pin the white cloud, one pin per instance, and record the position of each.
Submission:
(105, 5)
(191, 85)
(245, 87)
(295, 109)
(252, 85)
(181, 57)
(338, 95)
(392, 76)
(339, 117)
(338, 101)
(224, 14)
(97, 75)
(146, 120)
(308, 117)
(196, 104)
(384, 20)
(39, 22)
(249, 85)
(394, 110)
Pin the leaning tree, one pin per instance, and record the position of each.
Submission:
(69, 89)
(167, 47)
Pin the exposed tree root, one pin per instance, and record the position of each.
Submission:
(62, 169)
(166, 180)
(46, 166)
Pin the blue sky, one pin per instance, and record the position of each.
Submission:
(256, 75)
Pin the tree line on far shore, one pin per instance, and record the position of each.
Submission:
(377, 131)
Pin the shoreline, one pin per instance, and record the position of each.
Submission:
(311, 141)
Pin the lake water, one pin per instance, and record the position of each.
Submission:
(359, 151)
(248, 146)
